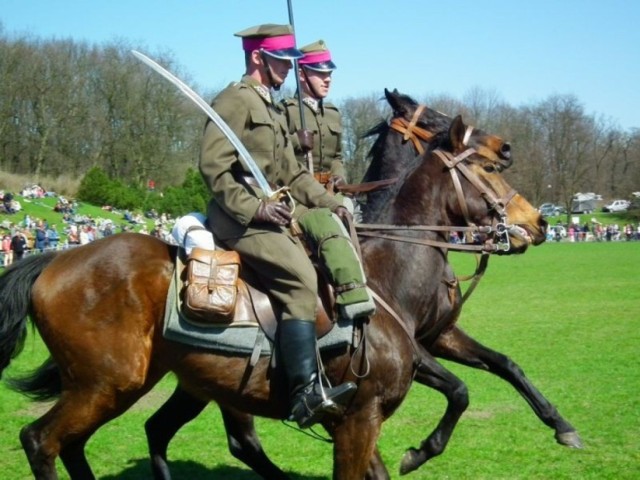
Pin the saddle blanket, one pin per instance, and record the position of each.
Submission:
(236, 340)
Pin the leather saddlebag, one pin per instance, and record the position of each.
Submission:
(211, 285)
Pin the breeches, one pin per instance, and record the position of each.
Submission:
(283, 268)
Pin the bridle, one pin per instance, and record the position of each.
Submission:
(497, 234)
(499, 227)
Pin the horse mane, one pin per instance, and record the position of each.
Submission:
(375, 152)
(381, 164)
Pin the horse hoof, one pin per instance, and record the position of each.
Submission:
(569, 439)
(410, 461)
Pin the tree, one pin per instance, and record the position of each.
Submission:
(359, 115)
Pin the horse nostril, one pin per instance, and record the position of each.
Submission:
(505, 151)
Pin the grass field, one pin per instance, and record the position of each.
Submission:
(569, 314)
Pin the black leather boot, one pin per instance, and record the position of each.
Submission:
(310, 401)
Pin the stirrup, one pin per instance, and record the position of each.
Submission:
(314, 402)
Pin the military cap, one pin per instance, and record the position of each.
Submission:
(317, 57)
(275, 40)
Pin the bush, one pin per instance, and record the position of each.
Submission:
(98, 189)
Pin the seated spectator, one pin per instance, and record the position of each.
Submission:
(107, 229)
(72, 236)
(7, 203)
(83, 235)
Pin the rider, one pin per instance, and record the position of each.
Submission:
(322, 118)
(243, 219)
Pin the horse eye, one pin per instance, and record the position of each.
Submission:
(490, 168)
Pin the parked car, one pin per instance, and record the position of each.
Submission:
(617, 206)
(551, 210)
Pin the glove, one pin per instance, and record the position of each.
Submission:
(272, 212)
(337, 180)
(305, 137)
(343, 214)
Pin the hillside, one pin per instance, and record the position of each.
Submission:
(42, 208)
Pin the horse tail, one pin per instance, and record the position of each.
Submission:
(15, 303)
(42, 384)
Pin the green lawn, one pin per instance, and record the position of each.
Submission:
(569, 314)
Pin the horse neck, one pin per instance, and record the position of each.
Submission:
(391, 158)
(410, 278)
(414, 275)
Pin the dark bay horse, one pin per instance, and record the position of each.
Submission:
(99, 310)
(397, 148)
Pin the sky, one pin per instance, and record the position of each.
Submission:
(520, 51)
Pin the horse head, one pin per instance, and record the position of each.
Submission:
(457, 185)
(401, 140)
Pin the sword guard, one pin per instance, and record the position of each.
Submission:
(281, 194)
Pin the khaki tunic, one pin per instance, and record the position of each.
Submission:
(326, 125)
(277, 256)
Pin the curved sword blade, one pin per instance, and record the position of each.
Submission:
(245, 156)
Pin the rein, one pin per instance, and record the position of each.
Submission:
(455, 165)
(501, 229)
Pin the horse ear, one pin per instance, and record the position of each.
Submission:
(402, 105)
(456, 133)
(394, 100)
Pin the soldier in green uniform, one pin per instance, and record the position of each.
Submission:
(243, 219)
(322, 119)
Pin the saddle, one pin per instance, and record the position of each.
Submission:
(216, 291)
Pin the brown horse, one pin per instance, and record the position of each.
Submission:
(99, 310)
(397, 148)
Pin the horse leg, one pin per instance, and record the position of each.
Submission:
(457, 346)
(162, 426)
(65, 429)
(434, 375)
(244, 444)
(377, 469)
(180, 409)
(75, 461)
(354, 443)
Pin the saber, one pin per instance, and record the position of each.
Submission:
(245, 156)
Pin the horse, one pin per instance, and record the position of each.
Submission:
(99, 310)
(398, 146)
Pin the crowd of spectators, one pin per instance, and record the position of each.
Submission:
(593, 231)
(33, 235)
(36, 235)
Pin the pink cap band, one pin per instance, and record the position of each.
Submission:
(282, 42)
(315, 57)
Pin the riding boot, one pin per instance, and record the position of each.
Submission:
(310, 400)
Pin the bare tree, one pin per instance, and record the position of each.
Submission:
(68, 106)
(359, 115)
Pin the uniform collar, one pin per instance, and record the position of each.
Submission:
(259, 88)
(312, 103)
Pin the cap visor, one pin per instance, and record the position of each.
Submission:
(322, 67)
(285, 53)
